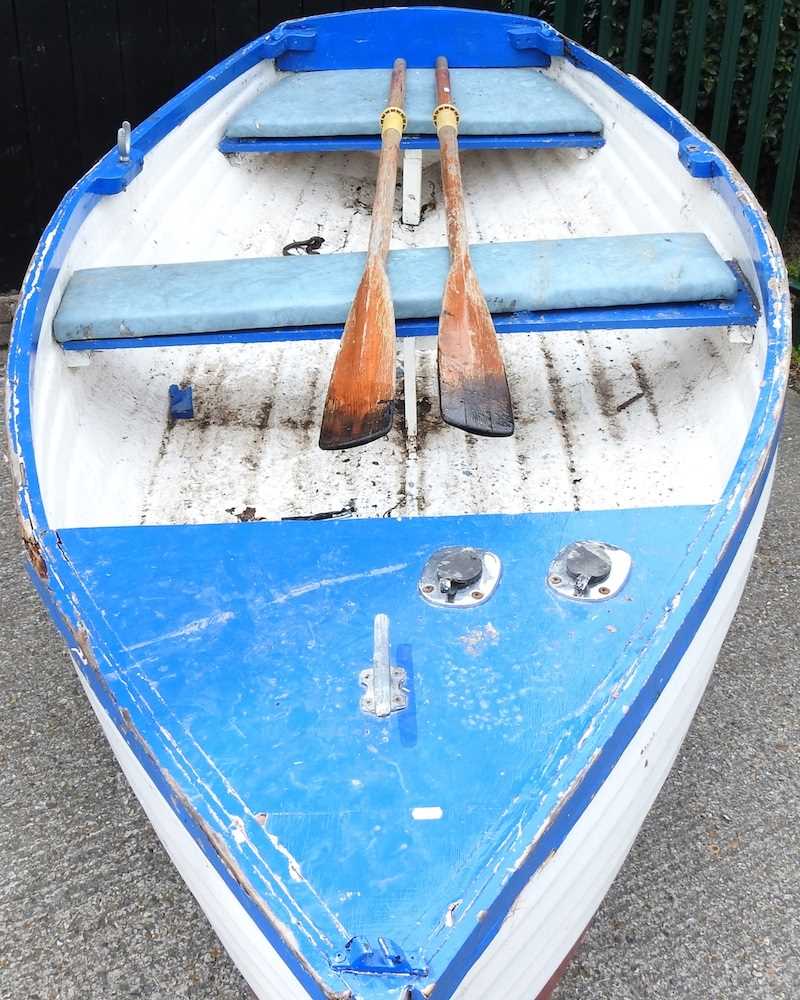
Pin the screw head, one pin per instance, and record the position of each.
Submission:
(604, 591)
(555, 580)
(428, 588)
(477, 595)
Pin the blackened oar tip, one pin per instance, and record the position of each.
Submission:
(483, 408)
(341, 430)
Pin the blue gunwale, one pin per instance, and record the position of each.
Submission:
(722, 532)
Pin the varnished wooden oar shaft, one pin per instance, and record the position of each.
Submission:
(360, 403)
(473, 389)
(381, 228)
(451, 168)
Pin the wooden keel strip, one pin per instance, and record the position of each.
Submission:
(360, 404)
(473, 388)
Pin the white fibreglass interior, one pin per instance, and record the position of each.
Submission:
(107, 454)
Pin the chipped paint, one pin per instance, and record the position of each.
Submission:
(296, 913)
(563, 798)
(478, 638)
(185, 632)
(234, 870)
(220, 848)
(86, 658)
(336, 581)
(238, 831)
(33, 548)
(294, 866)
(451, 909)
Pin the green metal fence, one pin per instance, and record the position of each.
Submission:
(731, 66)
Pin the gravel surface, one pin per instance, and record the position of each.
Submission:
(707, 905)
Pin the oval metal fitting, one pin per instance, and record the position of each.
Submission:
(460, 576)
(589, 571)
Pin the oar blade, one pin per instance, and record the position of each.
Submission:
(473, 389)
(360, 403)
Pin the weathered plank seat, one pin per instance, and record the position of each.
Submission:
(340, 109)
(591, 283)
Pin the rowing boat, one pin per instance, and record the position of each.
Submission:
(397, 706)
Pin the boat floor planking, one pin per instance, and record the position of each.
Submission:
(658, 440)
(600, 419)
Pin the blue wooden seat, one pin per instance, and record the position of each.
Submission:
(340, 109)
(592, 283)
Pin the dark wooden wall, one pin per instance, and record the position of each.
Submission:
(74, 69)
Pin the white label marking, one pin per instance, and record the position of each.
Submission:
(427, 812)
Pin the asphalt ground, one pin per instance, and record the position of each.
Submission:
(707, 905)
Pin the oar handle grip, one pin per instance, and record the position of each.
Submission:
(444, 94)
(393, 117)
(397, 87)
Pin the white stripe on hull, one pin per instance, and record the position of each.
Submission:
(561, 898)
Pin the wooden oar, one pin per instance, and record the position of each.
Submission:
(473, 389)
(360, 403)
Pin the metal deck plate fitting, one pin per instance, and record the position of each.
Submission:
(589, 571)
(460, 577)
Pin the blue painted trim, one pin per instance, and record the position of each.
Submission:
(372, 39)
(555, 835)
(538, 35)
(699, 157)
(116, 175)
(741, 311)
(286, 39)
(55, 599)
(350, 143)
(632, 90)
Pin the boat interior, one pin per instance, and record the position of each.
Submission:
(623, 347)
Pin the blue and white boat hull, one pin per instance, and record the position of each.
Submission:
(225, 587)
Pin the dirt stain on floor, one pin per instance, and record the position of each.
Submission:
(559, 398)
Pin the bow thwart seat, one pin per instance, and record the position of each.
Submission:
(340, 109)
